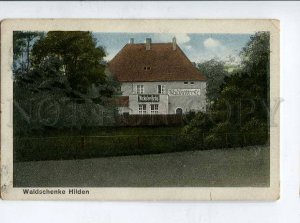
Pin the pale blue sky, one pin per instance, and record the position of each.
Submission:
(197, 47)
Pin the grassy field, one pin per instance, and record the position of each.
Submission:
(218, 168)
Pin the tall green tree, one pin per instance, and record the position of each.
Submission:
(243, 99)
(81, 58)
(215, 72)
(256, 63)
(249, 89)
(22, 45)
(66, 85)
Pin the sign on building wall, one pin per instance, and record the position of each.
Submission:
(184, 92)
(148, 98)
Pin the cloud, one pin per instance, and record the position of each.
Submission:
(211, 43)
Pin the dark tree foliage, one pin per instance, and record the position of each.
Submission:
(215, 72)
(256, 63)
(242, 103)
(80, 57)
(66, 86)
(22, 46)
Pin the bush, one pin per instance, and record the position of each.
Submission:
(188, 117)
(256, 132)
(213, 141)
(202, 133)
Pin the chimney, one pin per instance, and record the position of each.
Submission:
(148, 43)
(174, 43)
(131, 41)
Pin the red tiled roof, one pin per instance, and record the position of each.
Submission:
(163, 63)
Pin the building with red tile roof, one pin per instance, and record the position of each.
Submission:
(158, 78)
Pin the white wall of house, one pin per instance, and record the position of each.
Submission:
(170, 100)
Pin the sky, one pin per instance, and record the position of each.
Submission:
(197, 47)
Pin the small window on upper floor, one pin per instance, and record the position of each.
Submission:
(140, 89)
(147, 68)
(185, 82)
(161, 89)
(192, 82)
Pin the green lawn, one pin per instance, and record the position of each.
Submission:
(219, 168)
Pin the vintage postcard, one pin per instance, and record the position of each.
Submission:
(140, 109)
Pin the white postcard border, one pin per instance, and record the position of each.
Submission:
(165, 26)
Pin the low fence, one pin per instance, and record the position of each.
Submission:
(149, 120)
(80, 147)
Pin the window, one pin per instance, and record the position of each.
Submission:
(140, 89)
(142, 109)
(186, 82)
(192, 82)
(154, 108)
(147, 68)
(161, 89)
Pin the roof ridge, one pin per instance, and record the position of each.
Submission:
(162, 63)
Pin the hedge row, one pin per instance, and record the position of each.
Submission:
(56, 148)
(81, 147)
